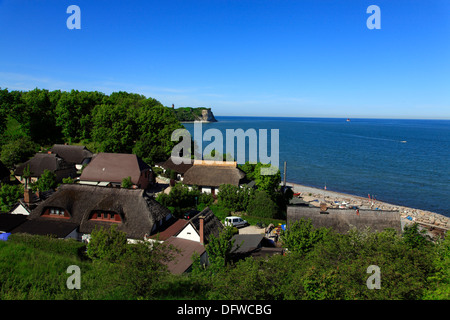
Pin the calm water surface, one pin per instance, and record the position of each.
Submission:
(405, 162)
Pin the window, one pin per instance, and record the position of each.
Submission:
(105, 216)
(56, 213)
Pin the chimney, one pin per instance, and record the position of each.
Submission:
(28, 196)
(202, 229)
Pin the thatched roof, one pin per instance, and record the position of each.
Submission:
(180, 168)
(42, 161)
(72, 154)
(211, 224)
(213, 176)
(138, 211)
(114, 167)
(342, 220)
(56, 227)
(10, 221)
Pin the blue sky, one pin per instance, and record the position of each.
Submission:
(239, 57)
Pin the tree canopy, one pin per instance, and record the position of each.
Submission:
(121, 122)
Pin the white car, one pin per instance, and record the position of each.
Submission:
(236, 222)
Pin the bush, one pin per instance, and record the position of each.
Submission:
(9, 195)
(234, 197)
(262, 205)
(107, 244)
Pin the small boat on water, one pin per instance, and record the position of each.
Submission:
(348, 119)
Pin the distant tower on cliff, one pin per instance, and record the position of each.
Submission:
(173, 106)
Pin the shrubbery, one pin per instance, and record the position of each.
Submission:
(181, 198)
(320, 264)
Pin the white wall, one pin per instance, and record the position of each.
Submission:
(20, 210)
(189, 233)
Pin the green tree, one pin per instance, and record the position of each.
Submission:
(219, 249)
(18, 151)
(9, 195)
(155, 124)
(114, 128)
(269, 183)
(35, 111)
(107, 244)
(144, 267)
(73, 112)
(47, 181)
(301, 236)
(262, 205)
(414, 237)
(126, 183)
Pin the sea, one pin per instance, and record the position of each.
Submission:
(402, 162)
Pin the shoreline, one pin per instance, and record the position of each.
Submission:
(428, 218)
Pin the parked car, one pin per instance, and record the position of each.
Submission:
(236, 222)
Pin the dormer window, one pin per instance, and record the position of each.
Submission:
(108, 216)
(55, 212)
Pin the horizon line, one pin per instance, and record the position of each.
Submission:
(333, 117)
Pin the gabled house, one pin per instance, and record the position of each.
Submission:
(208, 175)
(189, 237)
(46, 161)
(201, 227)
(78, 155)
(86, 207)
(111, 168)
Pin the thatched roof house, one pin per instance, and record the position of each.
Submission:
(112, 168)
(201, 227)
(342, 220)
(132, 210)
(78, 155)
(46, 161)
(209, 175)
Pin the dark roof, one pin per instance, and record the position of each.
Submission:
(138, 211)
(114, 167)
(42, 161)
(178, 168)
(52, 227)
(170, 231)
(211, 224)
(182, 260)
(214, 175)
(10, 221)
(72, 154)
(342, 220)
(246, 242)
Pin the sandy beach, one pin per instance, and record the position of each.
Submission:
(315, 195)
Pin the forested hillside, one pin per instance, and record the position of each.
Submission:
(119, 122)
